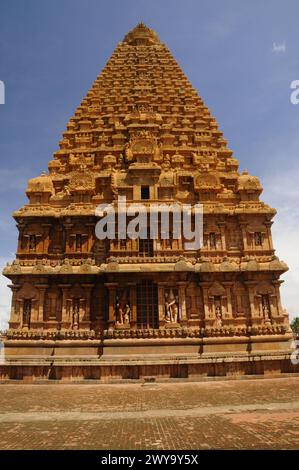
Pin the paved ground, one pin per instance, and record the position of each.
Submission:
(245, 414)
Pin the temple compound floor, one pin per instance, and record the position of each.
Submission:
(222, 414)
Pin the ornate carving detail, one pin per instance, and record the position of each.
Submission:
(81, 181)
(172, 306)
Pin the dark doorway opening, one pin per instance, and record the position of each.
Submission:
(147, 305)
(145, 192)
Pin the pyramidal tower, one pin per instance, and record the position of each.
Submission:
(123, 307)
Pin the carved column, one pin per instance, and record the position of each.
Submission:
(65, 320)
(251, 294)
(133, 305)
(34, 311)
(182, 300)
(14, 313)
(205, 287)
(67, 237)
(244, 236)
(136, 192)
(90, 228)
(85, 318)
(277, 284)
(229, 311)
(21, 238)
(273, 306)
(40, 312)
(222, 234)
(111, 286)
(46, 237)
(270, 241)
(161, 304)
(192, 293)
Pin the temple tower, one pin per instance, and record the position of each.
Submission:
(142, 132)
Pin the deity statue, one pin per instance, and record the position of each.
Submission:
(175, 309)
(119, 314)
(166, 162)
(76, 309)
(218, 312)
(26, 312)
(218, 320)
(266, 308)
(63, 192)
(127, 314)
(128, 152)
(171, 307)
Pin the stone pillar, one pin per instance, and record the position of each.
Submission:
(205, 297)
(34, 311)
(15, 319)
(39, 245)
(251, 294)
(161, 304)
(85, 316)
(20, 240)
(222, 234)
(244, 236)
(273, 306)
(229, 311)
(65, 319)
(67, 235)
(133, 305)
(182, 300)
(40, 312)
(90, 228)
(270, 241)
(112, 298)
(212, 299)
(136, 192)
(277, 284)
(192, 292)
(46, 237)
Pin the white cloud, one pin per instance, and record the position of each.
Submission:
(281, 190)
(5, 298)
(281, 47)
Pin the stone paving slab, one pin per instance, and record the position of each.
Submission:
(212, 415)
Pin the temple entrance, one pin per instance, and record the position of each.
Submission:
(147, 305)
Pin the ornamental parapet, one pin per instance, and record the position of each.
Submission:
(125, 264)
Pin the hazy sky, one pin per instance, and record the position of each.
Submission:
(240, 55)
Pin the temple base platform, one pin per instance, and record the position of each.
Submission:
(117, 360)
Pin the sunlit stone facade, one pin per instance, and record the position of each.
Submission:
(143, 132)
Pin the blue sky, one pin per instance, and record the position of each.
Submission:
(51, 51)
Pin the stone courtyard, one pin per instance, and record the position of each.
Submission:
(220, 414)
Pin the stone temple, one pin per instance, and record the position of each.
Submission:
(85, 308)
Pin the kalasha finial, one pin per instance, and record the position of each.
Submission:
(141, 35)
